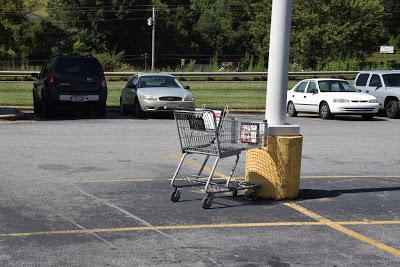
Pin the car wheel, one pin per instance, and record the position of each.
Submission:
(325, 112)
(367, 117)
(100, 110)
(393, 109)
(122, 107)
(137, 109)
(291, 110)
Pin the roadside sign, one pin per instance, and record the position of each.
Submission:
(386, 49)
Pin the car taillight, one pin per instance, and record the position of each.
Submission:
(50, 80)
(103, 82)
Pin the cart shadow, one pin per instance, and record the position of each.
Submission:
(307, 194)
(241, 201)
(220, 202)
(344, 117)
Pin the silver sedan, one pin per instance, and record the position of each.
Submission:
(150, 92)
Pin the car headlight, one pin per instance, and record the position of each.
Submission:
(373, 101)
(148, 98)
(340, 100)
(189, 98)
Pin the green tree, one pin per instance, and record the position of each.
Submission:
(214, 25)
(324, 30)
(12, 21)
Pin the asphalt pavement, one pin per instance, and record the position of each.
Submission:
(78, 191)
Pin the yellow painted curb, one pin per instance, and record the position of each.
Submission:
(276, 167)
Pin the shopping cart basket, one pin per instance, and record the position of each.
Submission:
(212, 134)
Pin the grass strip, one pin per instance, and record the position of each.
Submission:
(238, 95)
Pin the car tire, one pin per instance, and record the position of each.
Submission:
(291, 109)
(122, 108)
(100, 110)
(325, 111)
(393, 109)
(367, 117)
(137, 109)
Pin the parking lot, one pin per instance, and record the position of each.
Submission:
(77, 191)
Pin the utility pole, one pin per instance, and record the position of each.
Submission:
(145, 61)
(153, 41)
(278, 67)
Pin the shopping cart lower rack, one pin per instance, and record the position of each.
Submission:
(213, 134)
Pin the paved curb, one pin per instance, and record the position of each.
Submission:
(30, 108)
(15, 114)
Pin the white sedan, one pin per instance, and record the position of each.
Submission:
(328, 97)
(152, 92)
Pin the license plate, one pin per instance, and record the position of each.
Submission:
(79, 98)
(76, 98)
(171, 106)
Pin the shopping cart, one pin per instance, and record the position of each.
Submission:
(213, 134)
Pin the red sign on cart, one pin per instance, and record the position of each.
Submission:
(249, 133)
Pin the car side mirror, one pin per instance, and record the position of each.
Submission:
(35, 75)
(314, 91)
(187, 87)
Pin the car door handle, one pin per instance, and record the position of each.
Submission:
(367, 91)
(292, 95)
(305, 96)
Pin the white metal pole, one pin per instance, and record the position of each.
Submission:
(278, 63)
(153, 39)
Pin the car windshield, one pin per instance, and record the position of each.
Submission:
(335, 86)
(86, 66)
(158, 81)
(392, 80)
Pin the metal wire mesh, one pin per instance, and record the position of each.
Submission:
(201, 132)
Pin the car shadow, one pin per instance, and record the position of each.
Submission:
(82, 115)
(344, 117)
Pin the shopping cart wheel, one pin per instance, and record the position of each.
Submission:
(234, 193)
(176, 195)
(207, 201)
(254, 196)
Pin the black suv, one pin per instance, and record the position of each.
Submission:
(70, 80)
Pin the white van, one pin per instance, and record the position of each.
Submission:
(385, 86)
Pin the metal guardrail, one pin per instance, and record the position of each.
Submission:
(27, 74)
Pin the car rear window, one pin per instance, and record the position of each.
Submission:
(392, 80)
(86, 66)
(362, 79)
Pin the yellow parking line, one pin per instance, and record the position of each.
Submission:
(344, 230)
(352, 176)
(370, 223)
(98, 181)
(196, 165)
(193, 226)
(162, 227)
(221, 175)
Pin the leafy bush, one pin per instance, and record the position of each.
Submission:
(345, 64)
(190, 66)
(113, 61)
